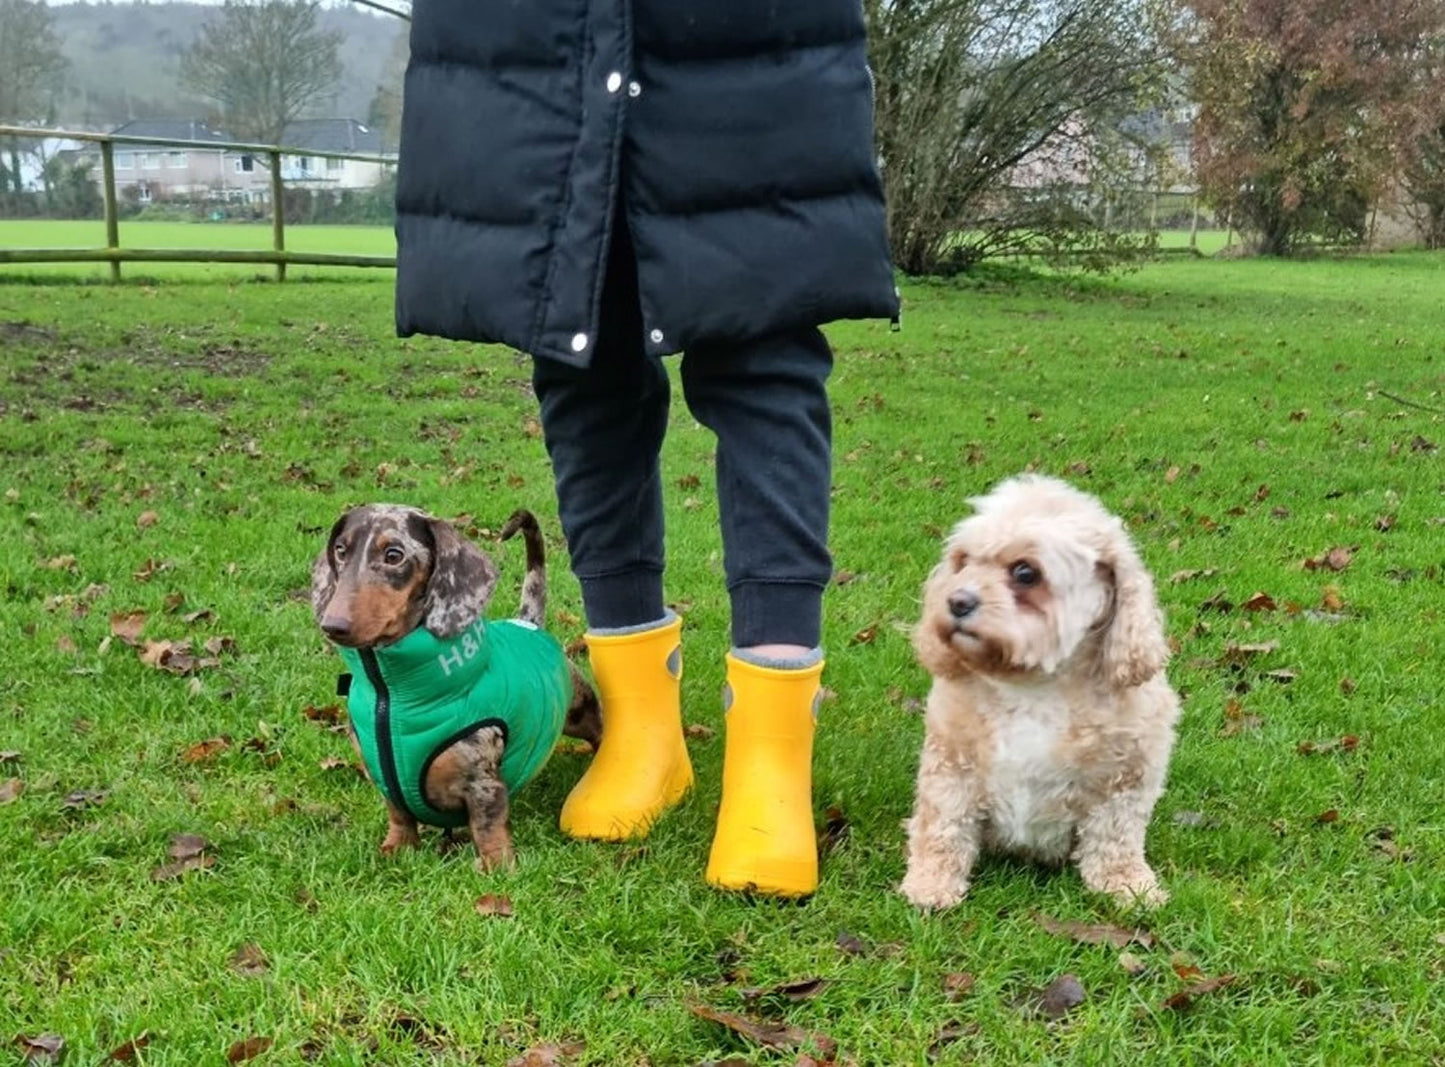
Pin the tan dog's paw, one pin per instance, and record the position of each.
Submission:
(932, 891)
(1131, 889)
(397, 839)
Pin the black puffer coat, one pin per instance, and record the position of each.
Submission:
(736, 134)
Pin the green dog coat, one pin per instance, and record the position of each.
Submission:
(410, 700)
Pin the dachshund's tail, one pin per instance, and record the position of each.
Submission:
(534, 584)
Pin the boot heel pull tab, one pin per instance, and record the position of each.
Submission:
(674, 662)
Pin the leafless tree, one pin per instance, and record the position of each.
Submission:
(263, 62)
(968, 90)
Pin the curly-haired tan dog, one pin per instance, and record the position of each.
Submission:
(1050, 721)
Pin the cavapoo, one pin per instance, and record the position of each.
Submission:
(451, 712)
(1050, 720)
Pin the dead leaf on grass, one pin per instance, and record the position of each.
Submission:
(1094, 933)
(187, 846)
(1237, 655)
(126, 1053)
(205, 751)
(835, 829)
(949, 1034)
(10, 790)
(250, 960)
(83, 798)
(1324, 818)
(1219, 602)
(769, 1033)
(190, 618)
(492, 905)
(1237, 720)
(1179, 577)
(1185, 998)
(700, 732)
(865, 636)
(1283, 676)
(1260, 602)
(802, 989)
(60, 563)
(248, 1049)
(548, 1055)
(1348, 743)
(40, 1049)
(171, 871)
(146, 519)
(1132, 964)
(65, 644)
(149, 569)
(1335, 559)
(329, 715)
(957, 985)
(1055, 1000)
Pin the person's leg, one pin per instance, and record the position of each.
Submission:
(604, 427)
(767, 402)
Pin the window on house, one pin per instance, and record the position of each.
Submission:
(143, 193)
(150, 160)
(124, 160)
(176, 160)
(336, 164)
(244, 164)
(303, 164)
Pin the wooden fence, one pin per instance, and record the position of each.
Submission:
(116, 254)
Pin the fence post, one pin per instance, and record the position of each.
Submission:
(278, 215)
(112, 219)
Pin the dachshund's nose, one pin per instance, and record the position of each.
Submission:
(963, 603)
(336, 626)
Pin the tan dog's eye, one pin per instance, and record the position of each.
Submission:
(338, 551)
(1025, 574)
(957, 559)
(393, 556)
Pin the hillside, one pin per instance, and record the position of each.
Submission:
(124, 60)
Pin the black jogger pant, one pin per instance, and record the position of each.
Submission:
(766, 401)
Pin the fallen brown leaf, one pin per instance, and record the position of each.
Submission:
(548, 1055)
(949, 1034)
(1261, 494)
(171, 871)
(40, 1049)
(146, 519)
(802, 989)
(1190, 575)
(205, 751)
(1094, 933)
(1185, 998)
(865, 636)
(492, 905)
(65, 644)
(1335, 559)
(1239, 655)
(1132, 964)
(1237, 720)
(250, 960)
(1260, 602)
(699, 731)
(248, 1049)
(1327, 817)
(768, 1033)
(10, 790)
(149, 569)
(330, 715)
(1331, 599)
(9, 756)
(126, 1053)
(957, 985)
(835, 829)
(1347, 686)
(83, 798)
(186, 846)
(60, 563)
(1348, 743)
(1284, 675)
(1055, 1000)
(190, 618)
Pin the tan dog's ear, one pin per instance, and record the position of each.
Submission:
(323, 574)
(461, 582)
(1133, 648)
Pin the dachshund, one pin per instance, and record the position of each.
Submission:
(451, 712)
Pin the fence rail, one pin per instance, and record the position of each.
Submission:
(113, 252)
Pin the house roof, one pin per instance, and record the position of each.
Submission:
(335, 135)
(178, 129)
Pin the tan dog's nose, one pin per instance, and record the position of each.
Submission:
(962, 603)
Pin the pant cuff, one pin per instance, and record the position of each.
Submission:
(631, 599)
(777, 613)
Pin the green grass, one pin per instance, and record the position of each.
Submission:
(1235, 413)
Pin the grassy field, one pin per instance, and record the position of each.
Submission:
(181, 448)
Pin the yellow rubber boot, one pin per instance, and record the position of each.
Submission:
(641, 768)
(765, 842)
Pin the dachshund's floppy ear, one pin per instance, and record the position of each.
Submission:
(1133, 648)
(461, 582)
(323, 573)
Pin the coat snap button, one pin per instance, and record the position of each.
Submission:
(656, 337)
(614, 82)
(579, 342)
(634, 89)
